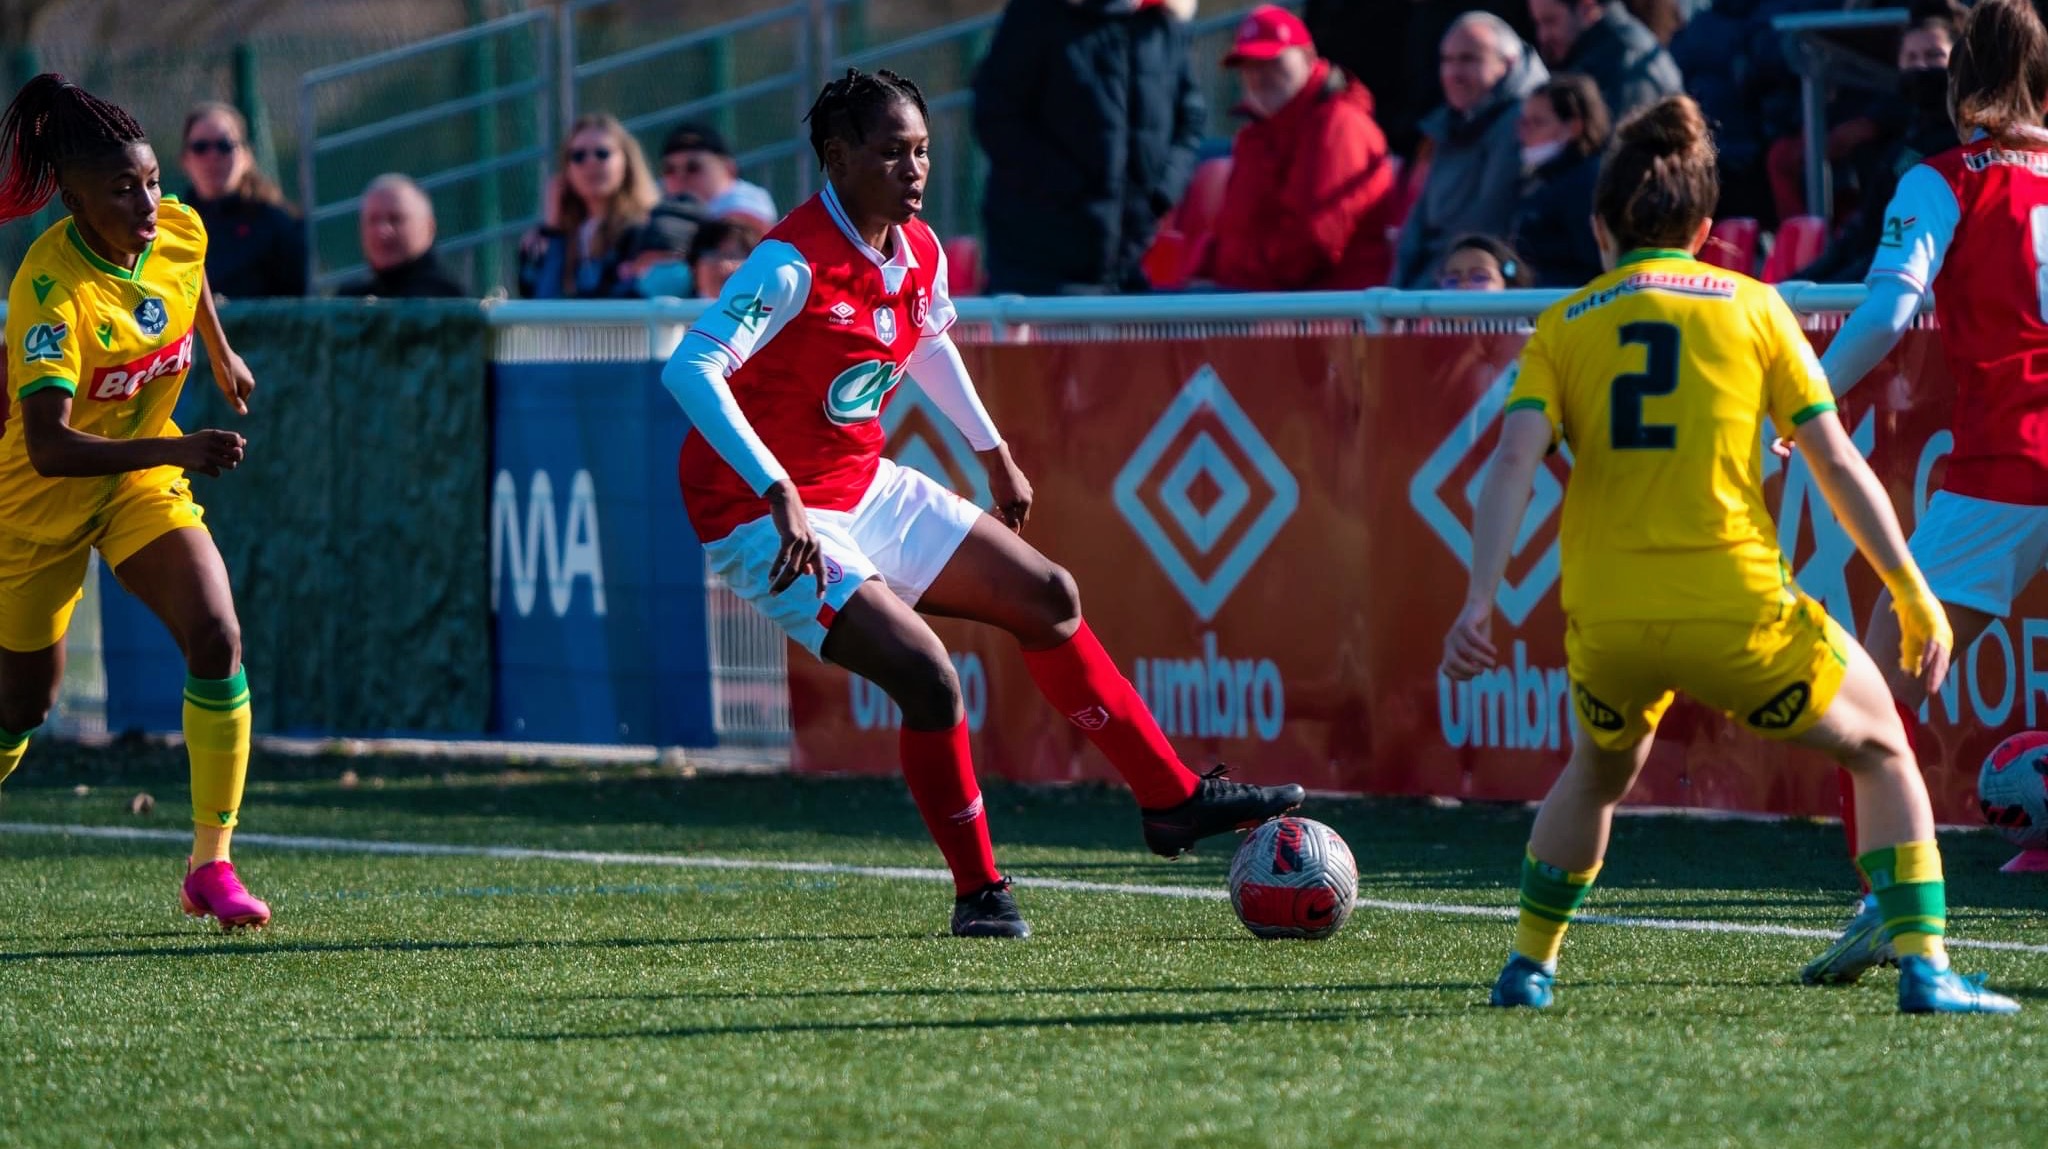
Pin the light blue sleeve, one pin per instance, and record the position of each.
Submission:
(1871, 331)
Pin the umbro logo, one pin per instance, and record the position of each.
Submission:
(841, 313)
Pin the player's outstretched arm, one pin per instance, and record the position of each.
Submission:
(1859, 501)
(58, 450)
(1503, 500)
(1871, 331)
(230, 374)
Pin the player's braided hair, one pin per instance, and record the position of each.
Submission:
(848, 106)
(52, 123)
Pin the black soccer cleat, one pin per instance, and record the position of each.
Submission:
(1216, 806)
(989, 912)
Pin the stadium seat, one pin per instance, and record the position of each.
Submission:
(1166, 260)
(1800, 242)
(1203, 202)
(1184, 235)
(963, 266)
(1732, 245)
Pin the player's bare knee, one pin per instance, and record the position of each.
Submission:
(214, 649)
(1056, 609)
(927, 689)
(25, 708)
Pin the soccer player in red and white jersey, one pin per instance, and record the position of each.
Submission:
(784, 381)
(1970, 225)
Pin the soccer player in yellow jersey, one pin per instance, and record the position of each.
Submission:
(100, 323)
(1658, 375)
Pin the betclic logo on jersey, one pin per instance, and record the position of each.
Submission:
(859, 392)
(116, 384)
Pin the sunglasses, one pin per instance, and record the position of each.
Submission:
(578, 155)
(206, 147)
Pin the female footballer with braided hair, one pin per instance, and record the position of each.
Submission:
(100, 322)
(783, 478)
(1659, 374)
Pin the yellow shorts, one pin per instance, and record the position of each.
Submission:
(1776, 678)
(41, 583)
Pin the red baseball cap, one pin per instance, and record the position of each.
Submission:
(1266, 32)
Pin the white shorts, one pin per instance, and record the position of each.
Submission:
(1977, 553)
(904, 531)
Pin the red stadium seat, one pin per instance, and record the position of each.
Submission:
(963, 266)
(1732, 245)
(1184, 235)
(1800, 242)
(1203, 202)
(1166, 259)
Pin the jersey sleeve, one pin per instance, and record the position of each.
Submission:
(185, 218)
(1919, 224)
(940, 316)
(42, 335)
(760, 299)
(1533, 385)
(1795, 387)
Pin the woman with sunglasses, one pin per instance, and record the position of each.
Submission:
(783, 477)
(594, 210)
(258, 244)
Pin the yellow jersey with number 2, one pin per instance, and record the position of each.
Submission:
(1658, 376)
(119, 342)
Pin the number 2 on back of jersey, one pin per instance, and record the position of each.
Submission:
(1659, 376)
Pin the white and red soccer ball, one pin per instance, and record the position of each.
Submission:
(2012, 789)
(1293, 878)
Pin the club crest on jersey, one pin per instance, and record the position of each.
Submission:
(151, 316)
(885, 324)
(44, 341)
(859, 392)
(920, 309)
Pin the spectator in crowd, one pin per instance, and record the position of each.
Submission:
(1922, 128)
(1391, 45)
(1089, 115)
(1564, 130)
(397, 221)
(715, 252)
(1482, 263)
(256, 245)
(1606, 42)
(1475, 166)
(1311, 191)
(593, 213)
(672, 225)
(1664, 18)
(697, 162)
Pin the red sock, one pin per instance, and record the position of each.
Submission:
(940, 770)
(1080, 680)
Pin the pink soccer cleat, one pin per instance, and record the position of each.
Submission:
(213, 891)
(2034, 861)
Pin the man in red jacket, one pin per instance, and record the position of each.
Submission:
(1311, 194)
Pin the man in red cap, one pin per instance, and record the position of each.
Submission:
(1311, 192)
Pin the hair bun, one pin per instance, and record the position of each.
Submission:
(1672, 126)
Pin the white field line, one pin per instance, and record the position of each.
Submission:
(910, 873)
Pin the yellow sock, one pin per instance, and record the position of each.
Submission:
(1550, 896)
(12, 747)
(217, 740)
(1912, 895)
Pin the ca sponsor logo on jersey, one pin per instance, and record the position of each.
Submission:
(750, 314)
(44, 341)
(115, 384)
(1895, 229)
(42, 285)
(151, 316)
(1783, 709)
(859, 392)
(885, 324)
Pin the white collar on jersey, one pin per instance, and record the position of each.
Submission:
(2038, 135)
(895, 267)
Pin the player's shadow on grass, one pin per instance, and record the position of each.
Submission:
(257, 945)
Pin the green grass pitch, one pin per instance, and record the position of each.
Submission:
(460, 999)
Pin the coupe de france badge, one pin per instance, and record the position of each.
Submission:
(150, 316)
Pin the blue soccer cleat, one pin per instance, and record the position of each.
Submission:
(1925, 989)
(1861, 947)
(1524, 982)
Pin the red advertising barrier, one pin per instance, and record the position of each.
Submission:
(1270, 535)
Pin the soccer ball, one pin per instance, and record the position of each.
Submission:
(2013, 789)
(1293, 878)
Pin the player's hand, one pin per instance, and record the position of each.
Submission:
(1008, 487)
(799, 553)
(1468, 648)
(1925, 640)
(235, 381)
(1782, 448)
(208, 452)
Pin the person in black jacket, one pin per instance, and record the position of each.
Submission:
(1089, 115)
(256, 245)
(1606, 42)
(1563, 131)
(398, 244)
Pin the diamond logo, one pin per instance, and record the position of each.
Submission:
(1204, 490)
(1426, 493)
(929, 442)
